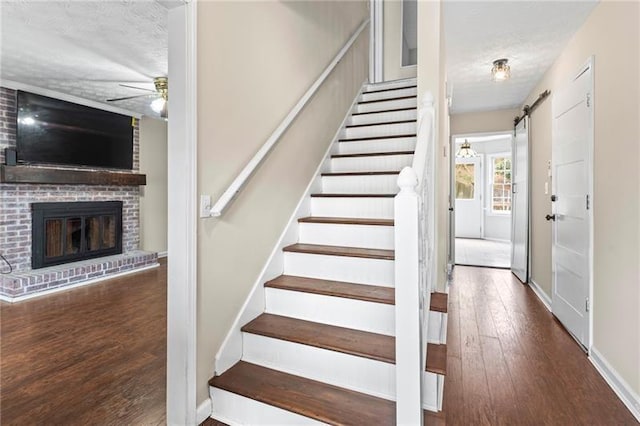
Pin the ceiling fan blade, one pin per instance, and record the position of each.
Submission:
(139, 88)
(129, 97)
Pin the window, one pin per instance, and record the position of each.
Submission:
(501, 184)
(465, 181)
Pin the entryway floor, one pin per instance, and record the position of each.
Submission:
(90, 355)
(479, 252)
(510, 362)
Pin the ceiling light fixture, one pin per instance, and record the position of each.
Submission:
(160, 105)
(466, 151)
(501, 70)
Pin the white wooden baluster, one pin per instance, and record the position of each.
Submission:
(408, 299)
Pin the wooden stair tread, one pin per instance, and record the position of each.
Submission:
(310, 398)
(341, 251)
(368, 293)
(384, 123)
(399, 98)
(346, 221)
(347, 195)
(432, 418)
(373, 154)
(436, 358)
(345, 340)
(371, 138)
(391, 172)
(386, 110)
(439, 302)
(390, 89)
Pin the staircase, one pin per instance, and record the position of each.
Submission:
(323, 352)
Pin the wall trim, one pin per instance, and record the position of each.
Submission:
(69, 287)
(230, 351)
(162, 254)
(15, 85)
(621, 388)
(546, 300)
(182, 214)
(204, 411)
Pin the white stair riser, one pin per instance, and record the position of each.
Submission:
(340, 268)
(371, 208)
(391, 84)
(379, 130)
(378, 163)
(386, 105)
(437, 320)
(339, 311)
(365, 236)
(235, 409)
(431, 389)
(381, 117)
(377, 145)
(378, 94)
(360, 184)
(339, 369)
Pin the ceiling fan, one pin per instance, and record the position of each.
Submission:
(160, 104)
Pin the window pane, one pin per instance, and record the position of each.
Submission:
(465, 181)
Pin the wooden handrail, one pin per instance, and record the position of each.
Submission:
(248, 170)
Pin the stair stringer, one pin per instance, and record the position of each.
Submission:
(255, 304)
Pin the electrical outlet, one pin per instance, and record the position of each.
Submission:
(205, 206)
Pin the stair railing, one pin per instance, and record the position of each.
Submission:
(238, 183)
(414, 266)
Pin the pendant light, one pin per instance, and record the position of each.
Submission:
(466, 151)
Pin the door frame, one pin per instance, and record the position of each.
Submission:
(589, 64)
(182, 217)
(526, 119)
(451, 255)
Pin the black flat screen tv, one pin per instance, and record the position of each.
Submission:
(51, 131)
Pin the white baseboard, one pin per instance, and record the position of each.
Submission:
(546, 301)
(69, 287)
(628, 397)
(162, 254)
(203, 411)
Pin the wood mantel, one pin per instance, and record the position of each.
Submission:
(44, 175)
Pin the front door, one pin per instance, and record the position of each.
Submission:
(571, 230)
(468, 192)
(520, 202)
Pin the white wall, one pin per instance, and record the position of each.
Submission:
(153, 196)
(248, 81)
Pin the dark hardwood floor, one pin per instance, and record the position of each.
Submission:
(510, 362)
(91, 355)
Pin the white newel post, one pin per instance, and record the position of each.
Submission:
(408, 297)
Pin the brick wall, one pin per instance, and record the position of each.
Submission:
(16, 199)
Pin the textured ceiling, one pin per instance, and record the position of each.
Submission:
(531, 34)
(86, 48)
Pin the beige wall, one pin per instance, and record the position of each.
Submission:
(432, 78)
(392, 49)
(248, 82)
(483, 122)
(153, 196)
(610, 34)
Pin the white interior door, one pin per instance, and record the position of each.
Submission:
(468, 192)
(520, 202)
(571, 188)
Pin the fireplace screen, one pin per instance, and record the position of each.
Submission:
(67, 232)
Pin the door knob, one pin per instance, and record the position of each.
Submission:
(450, 209)
(554, 198)
(550, 217)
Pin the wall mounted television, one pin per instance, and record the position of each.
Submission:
(52, 131)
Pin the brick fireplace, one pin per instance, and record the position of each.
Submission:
(17, 201)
